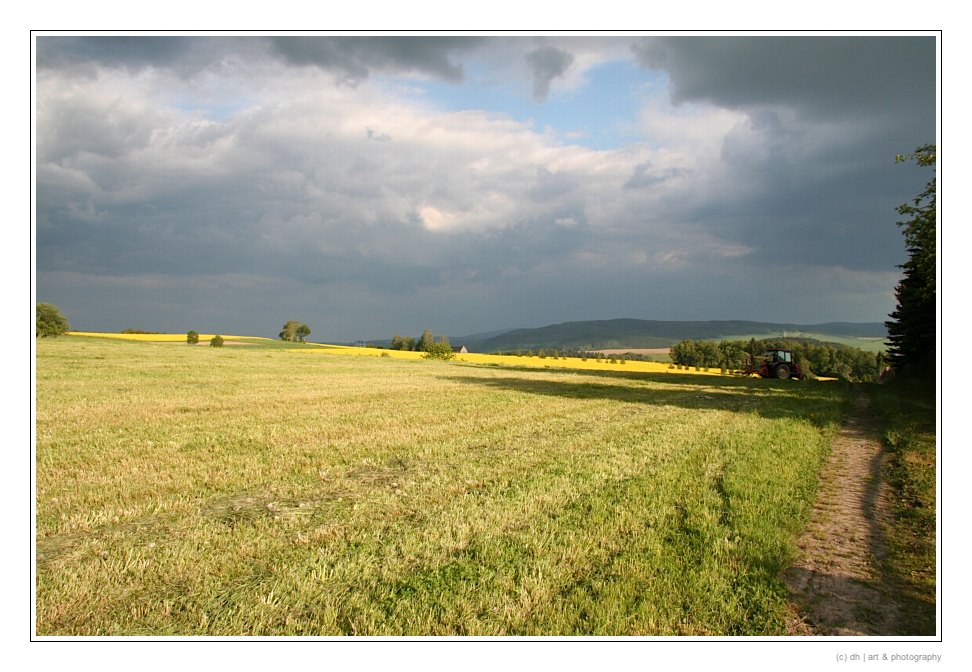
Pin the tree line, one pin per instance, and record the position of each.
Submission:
(831, 360)
(420, 344)
(427, 343)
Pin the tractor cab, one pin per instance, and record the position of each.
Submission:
(776, 364)
(778, 356)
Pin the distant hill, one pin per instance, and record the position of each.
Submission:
(470, 341)
(631, 333)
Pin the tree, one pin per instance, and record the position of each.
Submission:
(192, 337)
(424, 341)
(49, 321)
(684, 353)
(295, 331)
(441, 349)
(216, 341)
(912, 330)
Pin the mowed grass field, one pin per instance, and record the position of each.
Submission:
(259, 491)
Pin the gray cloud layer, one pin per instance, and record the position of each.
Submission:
(820, 77)
(187, 181)
(351, 58)
(825, 114)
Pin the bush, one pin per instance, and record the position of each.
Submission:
(439, 351)
(49, 321)
(216, 341)
(192, 337)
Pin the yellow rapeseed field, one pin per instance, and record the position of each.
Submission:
(533, 361)
(528, 361)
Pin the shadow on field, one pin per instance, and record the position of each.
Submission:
(771, 399)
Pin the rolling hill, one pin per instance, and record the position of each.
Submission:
(632, 333)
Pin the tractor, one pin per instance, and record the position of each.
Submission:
(775, 364)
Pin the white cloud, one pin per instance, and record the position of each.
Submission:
(687, 129)
(298, 172)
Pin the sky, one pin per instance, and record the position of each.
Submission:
(378, 185)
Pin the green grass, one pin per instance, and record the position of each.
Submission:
(253, 491)
(908, 414)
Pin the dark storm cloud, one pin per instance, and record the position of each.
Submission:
(355, 57)
(546, 64)
(113, 51)
(185, 56)
(821, 77)
(813, 178)
(352, 59)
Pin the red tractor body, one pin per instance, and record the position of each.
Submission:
(776, 364)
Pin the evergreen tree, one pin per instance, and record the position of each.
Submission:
(912, 329)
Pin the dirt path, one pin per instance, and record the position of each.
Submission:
(835, 585)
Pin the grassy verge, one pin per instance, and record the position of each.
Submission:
(252, 491)
(907, 413)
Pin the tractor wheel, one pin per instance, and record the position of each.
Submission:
(782, 372)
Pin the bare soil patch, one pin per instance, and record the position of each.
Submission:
(835, 585)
